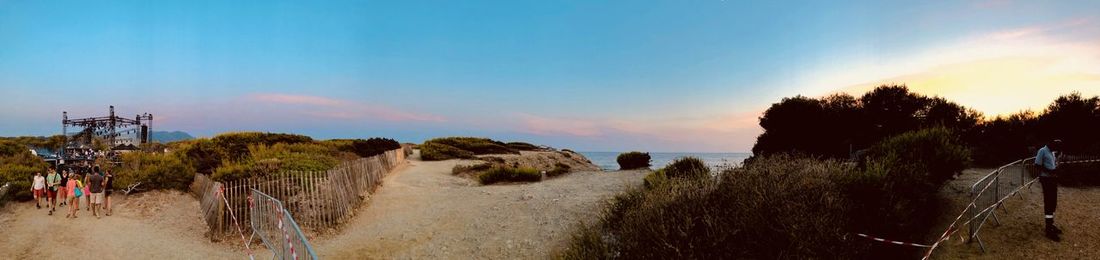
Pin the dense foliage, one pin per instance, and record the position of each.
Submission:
(509, 174)
(462, 148)
(633, 160)
(153, 171)
(780, 206)
(241, 155)
(844, 125)
(365, 148)
(17, 166)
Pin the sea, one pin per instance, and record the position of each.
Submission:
(606, 160)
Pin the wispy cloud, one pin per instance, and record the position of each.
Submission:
(998, 73)
(726, 132)
(296, 99)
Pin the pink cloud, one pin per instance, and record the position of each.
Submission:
(557, 126)
(296, 99)
(1040, 30)
(724, 132)
(342, 109)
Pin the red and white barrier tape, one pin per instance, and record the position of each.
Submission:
(947, 234)
(286, 235)
(1080, 161)
(892, 241)
(239, 230)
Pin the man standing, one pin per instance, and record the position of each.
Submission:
(95, 186)
(53, 182)
(1047, 163)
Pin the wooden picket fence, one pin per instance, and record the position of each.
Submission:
(318, 200)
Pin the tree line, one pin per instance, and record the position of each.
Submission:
(842, 126)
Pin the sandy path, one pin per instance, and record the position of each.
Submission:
(1020, 235)
(424, 212)
(151, 225)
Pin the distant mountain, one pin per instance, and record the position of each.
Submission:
(166, 137)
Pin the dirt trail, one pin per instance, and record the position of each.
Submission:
(152, 225)
(1020, 234)
(421, 211)
(424, 212)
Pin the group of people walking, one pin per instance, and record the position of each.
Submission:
(72, 188)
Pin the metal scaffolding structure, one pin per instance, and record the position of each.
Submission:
(110, 128)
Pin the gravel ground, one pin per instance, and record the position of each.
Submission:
(424, 212)
(1020, 233)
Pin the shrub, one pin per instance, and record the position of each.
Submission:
(280, 157)
(202, 154)
(439, 151)
(521, 146)
(365, 148)
(17, 166)
(153, 171)
(235, 145)
(633, 160)
(687, 167)
(559, 169)
(899, 180)
(475, 168)
(508, 174)
(779, 207)
(462, 147)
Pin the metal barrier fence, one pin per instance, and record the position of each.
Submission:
(4, 192)
(277, 228)
(989, 192)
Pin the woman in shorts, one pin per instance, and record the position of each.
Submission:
(71, 187)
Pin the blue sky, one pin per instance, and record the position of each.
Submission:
(588, 75)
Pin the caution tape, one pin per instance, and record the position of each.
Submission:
(951, 230)
(235, 223)
(1080, 161)
(891, 241)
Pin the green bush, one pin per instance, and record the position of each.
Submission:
(153, 171)
(633, 160)
(508, 174)
(439, 151)
(900, 180)
(235, 145)
(280, 157)
(559, 169)
(778, 207)
(521, 146)
(202, 154)
(474, 168)
(687, 167)
(17, 166)
(462, 147)
(365, 148)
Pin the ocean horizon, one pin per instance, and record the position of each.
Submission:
(606, 160)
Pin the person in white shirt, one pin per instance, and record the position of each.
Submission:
(39, 189)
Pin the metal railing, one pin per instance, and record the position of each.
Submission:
(277, 228)
(4, 192)
(988, 196)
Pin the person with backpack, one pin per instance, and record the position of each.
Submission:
(53, 182)
(75, 189)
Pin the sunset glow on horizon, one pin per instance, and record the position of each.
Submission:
(614, 76)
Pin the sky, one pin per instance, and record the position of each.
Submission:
(671, 76)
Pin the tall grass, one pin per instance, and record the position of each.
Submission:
(780, 207)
